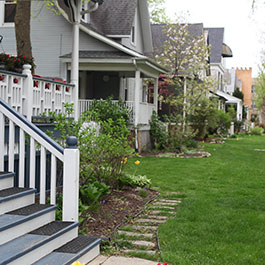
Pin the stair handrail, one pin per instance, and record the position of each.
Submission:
(69, 156)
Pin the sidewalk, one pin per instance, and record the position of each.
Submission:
(115, 260)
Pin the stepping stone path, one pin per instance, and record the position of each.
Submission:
(139, 235)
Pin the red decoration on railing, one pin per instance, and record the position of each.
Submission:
(36, 83)
(58, 87)
(47, 86)
(2, 77)
(67, 89)
(15, 80)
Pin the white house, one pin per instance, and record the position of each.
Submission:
(112, 62)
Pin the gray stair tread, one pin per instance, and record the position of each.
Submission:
(24, 244)
(11, 191)
(77, 244)
(55, 258)
(70, 252)
(21, 215)
(10, 250)
(51, 228)
(6, 174)
(31, 209)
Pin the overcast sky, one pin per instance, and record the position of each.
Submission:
(244, 29)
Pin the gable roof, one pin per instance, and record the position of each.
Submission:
(159, 36)
(218, 48)
(114, 17)
(216, 38)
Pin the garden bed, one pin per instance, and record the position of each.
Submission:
(114, 208)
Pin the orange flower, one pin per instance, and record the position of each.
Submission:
(137, 162)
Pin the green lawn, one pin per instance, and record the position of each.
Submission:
(222, 217)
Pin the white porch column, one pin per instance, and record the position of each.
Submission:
(156, 93)
(239, 111)
(75, 58)
(137, 88)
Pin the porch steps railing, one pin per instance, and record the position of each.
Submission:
(29, 233)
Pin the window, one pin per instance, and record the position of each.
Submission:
(10, 11)
(133, 34)
(133, 30)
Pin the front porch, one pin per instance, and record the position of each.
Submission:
(120, 76)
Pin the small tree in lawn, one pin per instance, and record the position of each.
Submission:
(186, 55)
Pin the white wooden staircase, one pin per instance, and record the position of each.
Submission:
(29, 233)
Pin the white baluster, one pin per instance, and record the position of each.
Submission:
(42, 175)
(11, 146)
(2, 142)
(21, 158)
(32, 163)
(53, 179)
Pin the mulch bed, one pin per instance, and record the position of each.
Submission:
(115, 208)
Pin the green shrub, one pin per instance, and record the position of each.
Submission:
(257, 131)
(107, 109)
(134, 181)
(158, 132)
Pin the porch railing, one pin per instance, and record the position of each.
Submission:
(37, 140)
(31, 95)
(85, 105)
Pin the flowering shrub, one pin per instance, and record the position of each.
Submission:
(13, 63)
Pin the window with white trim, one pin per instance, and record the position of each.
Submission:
(10, 11)
(7, 12)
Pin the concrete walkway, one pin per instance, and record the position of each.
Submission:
(115, 260)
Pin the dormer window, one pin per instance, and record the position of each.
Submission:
(7, 12)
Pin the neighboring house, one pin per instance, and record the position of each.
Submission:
(219, 51)
(244, 75)
(231, 81)
(113, 42)
(159, 36)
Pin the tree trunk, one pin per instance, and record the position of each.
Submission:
(22, 27)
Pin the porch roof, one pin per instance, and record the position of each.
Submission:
(228, 98)
(143, 63)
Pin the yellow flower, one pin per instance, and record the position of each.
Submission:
(122, 162)
(137, 162)
(237, 139)
(77, 263)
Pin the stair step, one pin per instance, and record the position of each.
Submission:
(15, 198)
(6, 180)
(21, 221)
(32, 246)
(82, 249)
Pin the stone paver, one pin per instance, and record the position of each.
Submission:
(143, 243)
(115, 260)
(155, 212)
(127, 233)
(149, 221)
(162, 207)
(171, 201)
(165, 204)
(144, 227)
(159, 217)
(150, 252)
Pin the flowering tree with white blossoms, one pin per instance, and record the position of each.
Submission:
(186, 55)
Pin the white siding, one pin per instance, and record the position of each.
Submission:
(51, 37)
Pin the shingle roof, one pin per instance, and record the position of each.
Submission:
(99, 54)
(216, 38)
(114, 17)
(159, 36)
